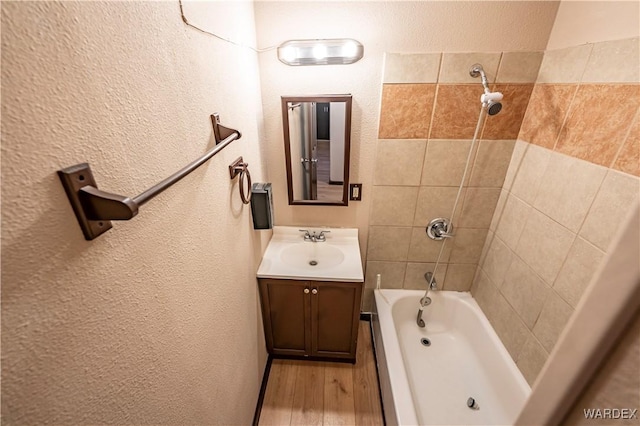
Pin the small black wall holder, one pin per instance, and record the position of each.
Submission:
(95, 209)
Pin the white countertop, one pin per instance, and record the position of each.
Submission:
(288, 256)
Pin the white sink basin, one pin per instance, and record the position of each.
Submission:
(289, 256)
(312, 256)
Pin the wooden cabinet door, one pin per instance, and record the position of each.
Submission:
(286, 315)
(335, 308)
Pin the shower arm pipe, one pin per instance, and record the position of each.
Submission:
(485, 82)
(95, 209)
(478, 70)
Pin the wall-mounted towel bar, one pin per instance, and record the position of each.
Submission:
(95, 209)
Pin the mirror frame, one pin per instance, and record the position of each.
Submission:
(347, 98)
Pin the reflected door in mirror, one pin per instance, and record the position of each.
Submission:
(317, 136)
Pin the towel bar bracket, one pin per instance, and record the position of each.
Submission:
(73, 179)
(94, 209)
(220, 132)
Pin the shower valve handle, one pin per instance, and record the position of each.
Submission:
(439, 229)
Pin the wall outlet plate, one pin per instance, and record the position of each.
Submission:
(355, 191)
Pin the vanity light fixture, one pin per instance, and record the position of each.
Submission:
(337, 51)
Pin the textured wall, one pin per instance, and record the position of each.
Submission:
(574, 168)
(402, 27)
(156, 321)
(580, 22)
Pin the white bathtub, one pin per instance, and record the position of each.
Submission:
(430, 385)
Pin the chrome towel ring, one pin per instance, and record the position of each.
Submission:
(239, 167)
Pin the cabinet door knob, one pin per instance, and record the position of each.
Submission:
(314, 291)
(306, 291)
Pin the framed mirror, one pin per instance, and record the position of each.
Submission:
(317, 140)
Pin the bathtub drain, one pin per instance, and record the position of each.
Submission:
(425, 341)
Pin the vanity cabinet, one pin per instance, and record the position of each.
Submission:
(314, 319)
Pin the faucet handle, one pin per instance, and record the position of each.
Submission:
(321, 236)
(439, 229)
(307, 236)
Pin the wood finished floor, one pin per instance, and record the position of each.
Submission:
(326, 191)
(324, 393)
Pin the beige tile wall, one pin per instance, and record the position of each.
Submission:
(585, 104)
(538, 260)
(429, 111)
(560, 208)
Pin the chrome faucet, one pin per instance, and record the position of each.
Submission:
(426, 300)
(313, 237)
(433, 285)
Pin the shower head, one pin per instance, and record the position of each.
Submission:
(493, 107)
(490, 100)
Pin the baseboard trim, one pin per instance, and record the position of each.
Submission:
(263, 390)
(375, 358)
(316, 358)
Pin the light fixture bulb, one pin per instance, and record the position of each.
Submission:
(289, 53)
(320, 51)
(349, 49)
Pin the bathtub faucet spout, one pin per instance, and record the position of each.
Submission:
(433, 285)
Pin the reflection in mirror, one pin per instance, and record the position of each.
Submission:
(317, 144)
